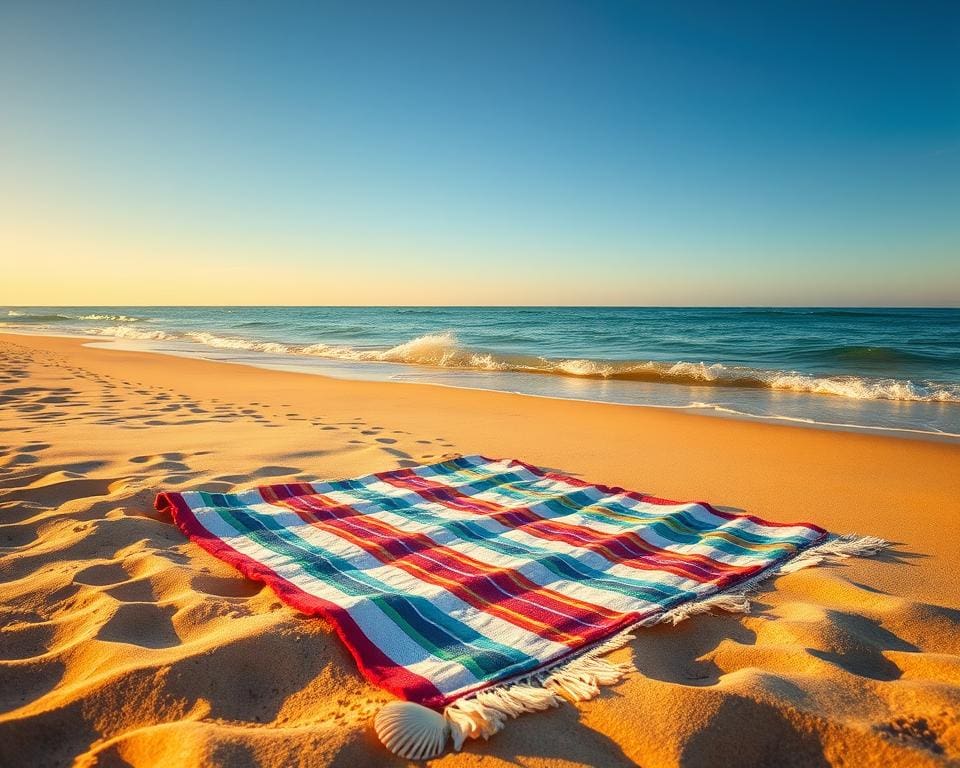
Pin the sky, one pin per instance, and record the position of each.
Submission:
(627, 153)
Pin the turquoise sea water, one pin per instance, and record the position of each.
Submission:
(890, 369)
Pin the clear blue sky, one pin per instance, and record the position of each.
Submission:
(516, 152)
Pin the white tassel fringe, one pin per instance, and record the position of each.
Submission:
(839, 548)
(578, 679)
(733, 602)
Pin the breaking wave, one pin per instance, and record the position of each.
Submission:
(223, 342)
(126, 332)
(445, 351)
(114, 318)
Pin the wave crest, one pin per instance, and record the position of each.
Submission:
(229, 342)
(126, 332)
(114, 318)
(437, 349)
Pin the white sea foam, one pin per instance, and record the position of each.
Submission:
(126, 332)
(232, 342)
(588, 368)
(114, 318)
(439, 349)
(868, 389)
(434, 349)
(697, 371)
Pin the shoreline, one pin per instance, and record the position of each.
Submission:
(695, 408)
(104, 601)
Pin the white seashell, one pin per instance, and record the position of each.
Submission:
(411, 730)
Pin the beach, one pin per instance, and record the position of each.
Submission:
(121, 643)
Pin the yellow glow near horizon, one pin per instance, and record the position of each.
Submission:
(79, 257)
(154, 276)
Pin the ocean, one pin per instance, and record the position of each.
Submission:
(895, 370)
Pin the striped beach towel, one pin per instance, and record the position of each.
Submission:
(482, 588)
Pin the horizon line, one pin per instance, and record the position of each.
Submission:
(501, 306)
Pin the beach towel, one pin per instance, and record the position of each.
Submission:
(483, 588)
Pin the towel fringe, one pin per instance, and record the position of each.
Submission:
(486, 713)
(839, 548)
(482, 714)
(732, 602)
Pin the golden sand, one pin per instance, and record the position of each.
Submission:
(123, 644)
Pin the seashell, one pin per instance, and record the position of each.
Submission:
(411, 730)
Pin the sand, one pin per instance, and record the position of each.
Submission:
(121, 644)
